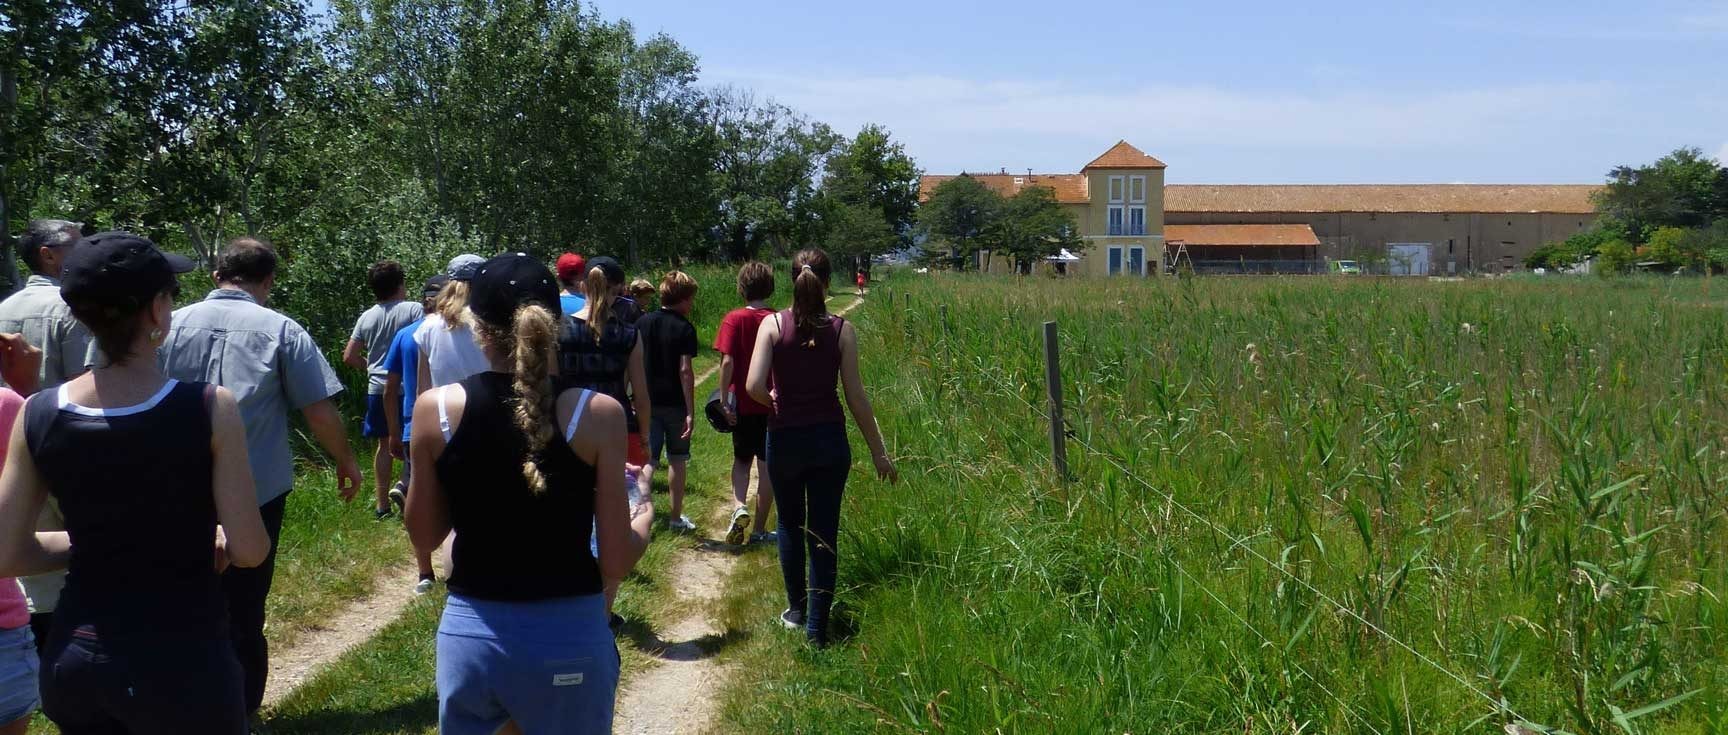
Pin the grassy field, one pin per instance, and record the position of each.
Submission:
(1298, 505)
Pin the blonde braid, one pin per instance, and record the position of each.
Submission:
(533, 340)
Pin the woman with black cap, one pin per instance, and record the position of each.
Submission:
(599, 351)
(516, 470)
(153, 479)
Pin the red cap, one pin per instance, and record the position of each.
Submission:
(571, 267)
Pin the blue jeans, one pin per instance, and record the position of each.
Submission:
(549, 665)
(19, 669)
(808, 465)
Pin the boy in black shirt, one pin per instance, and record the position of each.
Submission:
(669, 344)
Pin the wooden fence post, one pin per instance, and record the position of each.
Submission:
(1053, 388)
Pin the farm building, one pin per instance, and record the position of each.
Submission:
(1132, 221)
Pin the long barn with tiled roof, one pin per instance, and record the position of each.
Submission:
(1133, 222)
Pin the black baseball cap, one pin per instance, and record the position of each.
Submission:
(434, 285)
(716, 413)
(609, 266)
(119, 269)
(508, 281)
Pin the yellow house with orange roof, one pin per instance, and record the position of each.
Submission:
(1118, 200)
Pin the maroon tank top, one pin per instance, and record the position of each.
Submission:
(806, 378)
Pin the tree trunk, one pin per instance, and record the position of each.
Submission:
(8, 263)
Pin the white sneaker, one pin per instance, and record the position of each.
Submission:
(423, 586)
(735, 535)
(681, 523)
(398, 496)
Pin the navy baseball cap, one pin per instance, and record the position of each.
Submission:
(507, 282)
(119, 269)
(609, 266)
(434, 285)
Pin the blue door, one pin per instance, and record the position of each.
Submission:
(1115, 260)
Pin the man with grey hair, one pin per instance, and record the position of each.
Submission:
(234, 339)
(39, 314)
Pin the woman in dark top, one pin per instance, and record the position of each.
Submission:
(808, 353)
(517, 470)
(600, 352)
(144, 469)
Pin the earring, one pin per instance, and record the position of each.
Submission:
(156, 336)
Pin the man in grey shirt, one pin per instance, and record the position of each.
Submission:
(38, 313)
(366, 350)
(272, 367)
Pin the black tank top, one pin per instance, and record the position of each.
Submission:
(135, 487)
(602, 367)
(512, 544)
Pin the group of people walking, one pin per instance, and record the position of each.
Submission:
(147, 468)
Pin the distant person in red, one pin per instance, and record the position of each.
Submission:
(861, 282)
(735, 341)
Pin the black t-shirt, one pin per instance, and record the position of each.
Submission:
(666, 336)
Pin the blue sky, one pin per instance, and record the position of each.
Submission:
(1513, 91)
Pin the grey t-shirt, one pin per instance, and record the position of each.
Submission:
(377, 326)
(38, 313)
(266, 360)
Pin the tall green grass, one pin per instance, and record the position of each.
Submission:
(1520, 481)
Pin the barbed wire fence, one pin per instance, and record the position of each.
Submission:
(1515, 723)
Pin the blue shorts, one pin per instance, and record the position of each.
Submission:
(551, 666)
(374, 425)
(19, 668)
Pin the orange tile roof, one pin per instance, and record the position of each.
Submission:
(1069, 188)
(1123, 155)
(1241, 235)
(1430, 198)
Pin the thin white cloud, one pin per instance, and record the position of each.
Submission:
(1722, 154)
(942, 108)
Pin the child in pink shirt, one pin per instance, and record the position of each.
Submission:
(18, 661)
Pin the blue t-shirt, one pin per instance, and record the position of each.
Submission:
(571, 303)
(404, 359)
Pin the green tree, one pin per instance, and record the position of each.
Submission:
(1671, 246)
(1615, 257)
(769, 158)
(662, 200)
(1031, 226)
(856, 232)
(956, 215)
(872, 173)
(1682, 189)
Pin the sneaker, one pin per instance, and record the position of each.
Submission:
(765, 537)
(379, 514)
(398, 495)
(615, 622)
(740, 526)
(423, 586)
(681, 523)
(792, 619)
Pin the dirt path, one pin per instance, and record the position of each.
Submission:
(681, 695)
(354, 625)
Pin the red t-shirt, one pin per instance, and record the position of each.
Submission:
(737, 337)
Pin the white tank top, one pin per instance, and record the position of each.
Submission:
(452, 354)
